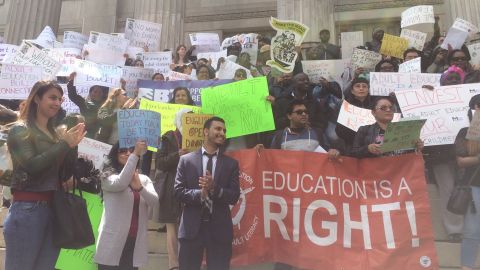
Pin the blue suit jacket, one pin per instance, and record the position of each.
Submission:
(188, 192)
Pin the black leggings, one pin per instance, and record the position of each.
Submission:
(126, 261)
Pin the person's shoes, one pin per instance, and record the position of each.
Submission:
(455, 238)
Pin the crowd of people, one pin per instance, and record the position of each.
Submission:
(43, 140)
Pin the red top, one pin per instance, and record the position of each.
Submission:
(27, 196)
(134, 222)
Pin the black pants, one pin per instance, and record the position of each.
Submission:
(191, 251)
(126, 261)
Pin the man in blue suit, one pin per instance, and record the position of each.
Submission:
(207, 182)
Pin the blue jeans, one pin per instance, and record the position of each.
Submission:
(28, 236)
(471, 232)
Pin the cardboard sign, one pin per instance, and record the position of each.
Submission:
(445, 109)
(167, 112)
(214, 56)
(161, 91)
(228, 68)
(95, 151)
(401, 135)
(349, 41)
(300, 208)
(16, 81)
(29, 55)
(106, 49)
(192, 130)
(242, 105)
(282, 51)
(412, 66)
(132, 74)
(158, 61)
(393, 46)
(417, 16)
(331, 70)
(89, 73)
(73, 39)
(134, 125)
(383, 83)
(177, 76)
(6, 49)
(205, 42)
(415, 39)
(354, 117)
(66, 57)
(365, 59)
(143, 33)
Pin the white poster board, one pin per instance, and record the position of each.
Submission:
(16, 81)
(228, 68)
(354, 117)
(415, 39)
(383, 83)
(158, 61)
(143, 33)
(73, 39)
(89, 73)
(349, 41)
(106, 49)
(132, 74)
(205, 42)
(365, 59)
(412, 66)
(95, 151)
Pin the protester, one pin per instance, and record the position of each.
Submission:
(203, 73)
(38, 154)
(206, 222)
(138, 63)
(325, 50)
(240, 74)
(410, 54)
(369, 139)
(181, 56)
(127, 197)
(107, 115)
(439, 63)
(282, 85)
(158, 77)
(468, 160)
(386, 65)
(166, 168)
(376, 42)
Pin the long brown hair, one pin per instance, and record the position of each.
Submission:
(176, 58)
(112, 99)
(28, 113)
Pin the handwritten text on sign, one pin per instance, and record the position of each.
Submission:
(242, 104)
(402, 135)
(192, 130)
(383, 83)
(445, 109)
(158, 61)
(143, 33)
(89, 73)
(93, 150)
(365, 59)
(417, 15)
(16, 81)
(393, 46)
(415, 39)
(354, 117)
(370, 218)
(136, 125)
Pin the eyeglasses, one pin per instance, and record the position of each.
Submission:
(300, 112)
(459, 59)
(385, 108)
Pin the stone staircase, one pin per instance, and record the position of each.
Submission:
(448, 253)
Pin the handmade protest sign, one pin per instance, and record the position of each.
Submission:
(473, 132)
(371, 218)
(214, 56)
(365, 59)
(167, 112)
(16, 81)
(132, 74)
(89, 73)
(383, 83)
(82, 259)
(412, 66)
(349, 41)
(106, 49)
(73, 39)
(474, 50)
(455, 38)
(143, 33)
(192, 130)
(415, 39)
(6, 49)
(420, 18)
(249, 44)
(282, 51)
(178, 76)
(205, 42)
(401, 135)
(46, 38)
(94, 150)
(29, 55)
(465, 26)
(329, 69)
(66, 57)
(135, 52)
(445, 109)
(242, 104)
(158, 61)
(161, 91)
(354, 117)
(136, 125)
(228, 68)
(393, 46)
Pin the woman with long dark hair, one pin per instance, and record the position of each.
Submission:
(39, 157)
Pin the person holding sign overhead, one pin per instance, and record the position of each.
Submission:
(207, 183)
(369, 139)
(122, 242)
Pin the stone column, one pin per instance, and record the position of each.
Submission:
(316, 14)
(27, 18)
(170, 13)
(99, 16)
(466, 9)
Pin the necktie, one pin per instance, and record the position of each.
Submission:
(210, 162)
(208, 203)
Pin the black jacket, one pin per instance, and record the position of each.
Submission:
(88, 109)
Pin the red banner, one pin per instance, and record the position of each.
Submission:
(302, 209)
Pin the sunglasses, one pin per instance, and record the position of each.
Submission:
(385, 108)
(459, 59)
(300, 112)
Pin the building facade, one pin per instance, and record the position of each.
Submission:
(24, 19)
